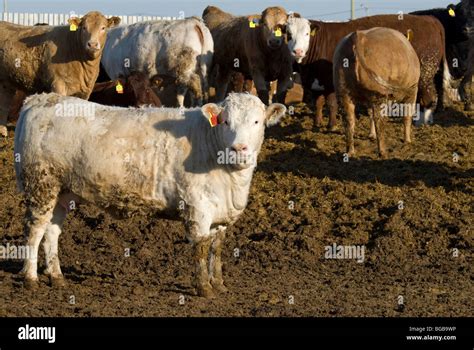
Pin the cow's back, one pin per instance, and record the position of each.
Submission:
(428, 42)
(106, 151)
(145, 45)
(371, 73)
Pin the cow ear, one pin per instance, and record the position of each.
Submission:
(113, 21)
(211, 110)
(295, 15)
(156, 81)
(76, 21)
(273, 114)
(315, 27)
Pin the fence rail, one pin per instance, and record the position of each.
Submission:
(56, 19)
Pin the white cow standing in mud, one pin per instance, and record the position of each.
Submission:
(148, 160)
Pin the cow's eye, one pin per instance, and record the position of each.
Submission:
(256, 122)
(307, 34)
(103, 28)
(226, 122)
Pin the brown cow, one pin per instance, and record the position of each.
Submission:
(364, 73)
(62, 59)
(134, 91)
(253, 45)
(427, 40)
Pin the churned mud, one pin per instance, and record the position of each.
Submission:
(412, 213)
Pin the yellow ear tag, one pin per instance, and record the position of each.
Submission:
(410, 35)
(313, 32)
(72, 27)
(278, 32)
(451, 12)
(119, 88)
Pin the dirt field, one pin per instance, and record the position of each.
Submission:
(409, 252)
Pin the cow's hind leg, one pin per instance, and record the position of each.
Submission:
(37, 220)
(349, 124)
(50, 245)
(215, 262)
(332, 104)
(379, 122)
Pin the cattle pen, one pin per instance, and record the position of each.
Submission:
(56, 19)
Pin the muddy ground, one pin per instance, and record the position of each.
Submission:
(303, 198)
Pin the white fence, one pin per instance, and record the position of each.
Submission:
(55, 19)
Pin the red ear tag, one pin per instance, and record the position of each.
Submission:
(213, 119)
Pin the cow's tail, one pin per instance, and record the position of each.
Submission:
(205, 58)
(449, 92)
(18, 145)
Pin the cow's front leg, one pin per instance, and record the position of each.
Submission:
(215, 262)
(59, 87)
(283, 85)
(222, 82)
(320, 101)
(262, 87)
(198, 224)
(202, 279)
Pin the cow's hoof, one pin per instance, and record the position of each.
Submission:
(206, 291)
(373, 136)
(57, 282)
(3, 131)
(383, 155)
(469, 107)
(219, 286)
(331, 127)
(31, 284)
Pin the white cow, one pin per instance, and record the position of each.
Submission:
(166, 161)
(156, 47)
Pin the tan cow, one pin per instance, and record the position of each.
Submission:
(378, 68)
(62, 59)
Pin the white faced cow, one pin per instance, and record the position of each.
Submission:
(154, 47)
(125, 160)
(299, 33)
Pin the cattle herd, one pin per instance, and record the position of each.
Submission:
(172, 126)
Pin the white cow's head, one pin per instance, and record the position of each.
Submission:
(298, 32)
(241, 121)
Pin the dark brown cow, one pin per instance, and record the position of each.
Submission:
(365, 74)
(253, 45)
(60, 59)
(316, 68)
(467, 8)
(454, 19)
(136, 91)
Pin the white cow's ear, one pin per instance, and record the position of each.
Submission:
(211, 109)
(274, 113)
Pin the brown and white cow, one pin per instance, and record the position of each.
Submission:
(365, 74)
(62, 59)
(427, 38)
